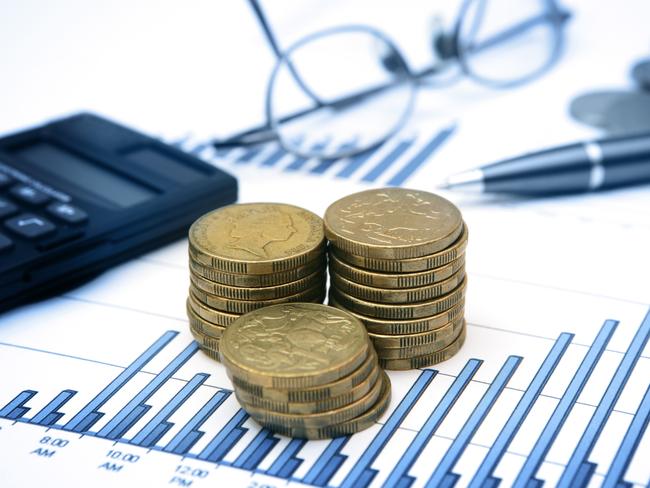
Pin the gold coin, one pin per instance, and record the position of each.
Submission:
(414, 326)
(427, 359)
(212, 354)
(252, 281)
(392, 223)
(257, 238)
(258, 293)
(201, 325)
(401, 311)
(316, 420)
(357, 424)
(400, 295)
(414, 265)
(211, 315)
(316, 294)
(394, 280)
(331, 403)
(421, 350)
(294, 345)
(446, 332)
(205, 341)
(316, 393)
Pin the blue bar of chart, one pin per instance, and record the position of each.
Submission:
(559, 416)
(387, 161)
(189, 434)
(443, 476)
(135, 409)
(396, 157)
(362, 474)
(287, 462)
(399, 475)
(240, 443)
(579, 470)
(50, 415)
(16, 408)
(257, 450)
(221, 444)
(520, 412)
(158, 426)
(421, 157)
(89, 415)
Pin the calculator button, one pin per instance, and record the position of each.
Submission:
(4, 180)
(7, 209)
(30, 226)
(66, 212)
(5, 243)
(28, 194)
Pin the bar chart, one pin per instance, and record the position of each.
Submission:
(391, 164)
(258, 450)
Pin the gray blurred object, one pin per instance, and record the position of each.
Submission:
(617, 112)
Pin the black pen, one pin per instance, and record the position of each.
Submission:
(581, 167)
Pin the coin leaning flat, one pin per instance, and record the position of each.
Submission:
(294, 345)
(256, 238)
(392, 223)
(591, 108)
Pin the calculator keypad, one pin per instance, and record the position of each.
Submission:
(21, 218)
(29, 195)
(67, 213)
(4, 180)
(7, 209)
(30, 226)
(5, 243)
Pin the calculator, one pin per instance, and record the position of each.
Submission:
(81, 194)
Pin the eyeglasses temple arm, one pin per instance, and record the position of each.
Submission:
(264, 133)
(558, 17)
(270, 37)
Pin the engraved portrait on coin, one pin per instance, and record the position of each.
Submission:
(257, 238)
(255, 231)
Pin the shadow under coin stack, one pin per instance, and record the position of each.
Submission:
(397, 263)
(247, 256)
(305, 370)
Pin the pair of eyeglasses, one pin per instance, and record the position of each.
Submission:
(345, 90)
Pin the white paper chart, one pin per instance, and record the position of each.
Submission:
(105, 386)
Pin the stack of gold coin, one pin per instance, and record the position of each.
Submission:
(247, 256)
(305, 370)
(397, 263)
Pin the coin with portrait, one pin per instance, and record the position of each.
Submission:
(257, 238)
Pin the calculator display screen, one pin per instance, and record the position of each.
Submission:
(84, 173)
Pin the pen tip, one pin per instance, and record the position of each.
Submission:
(468, 181)
(444, 184)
